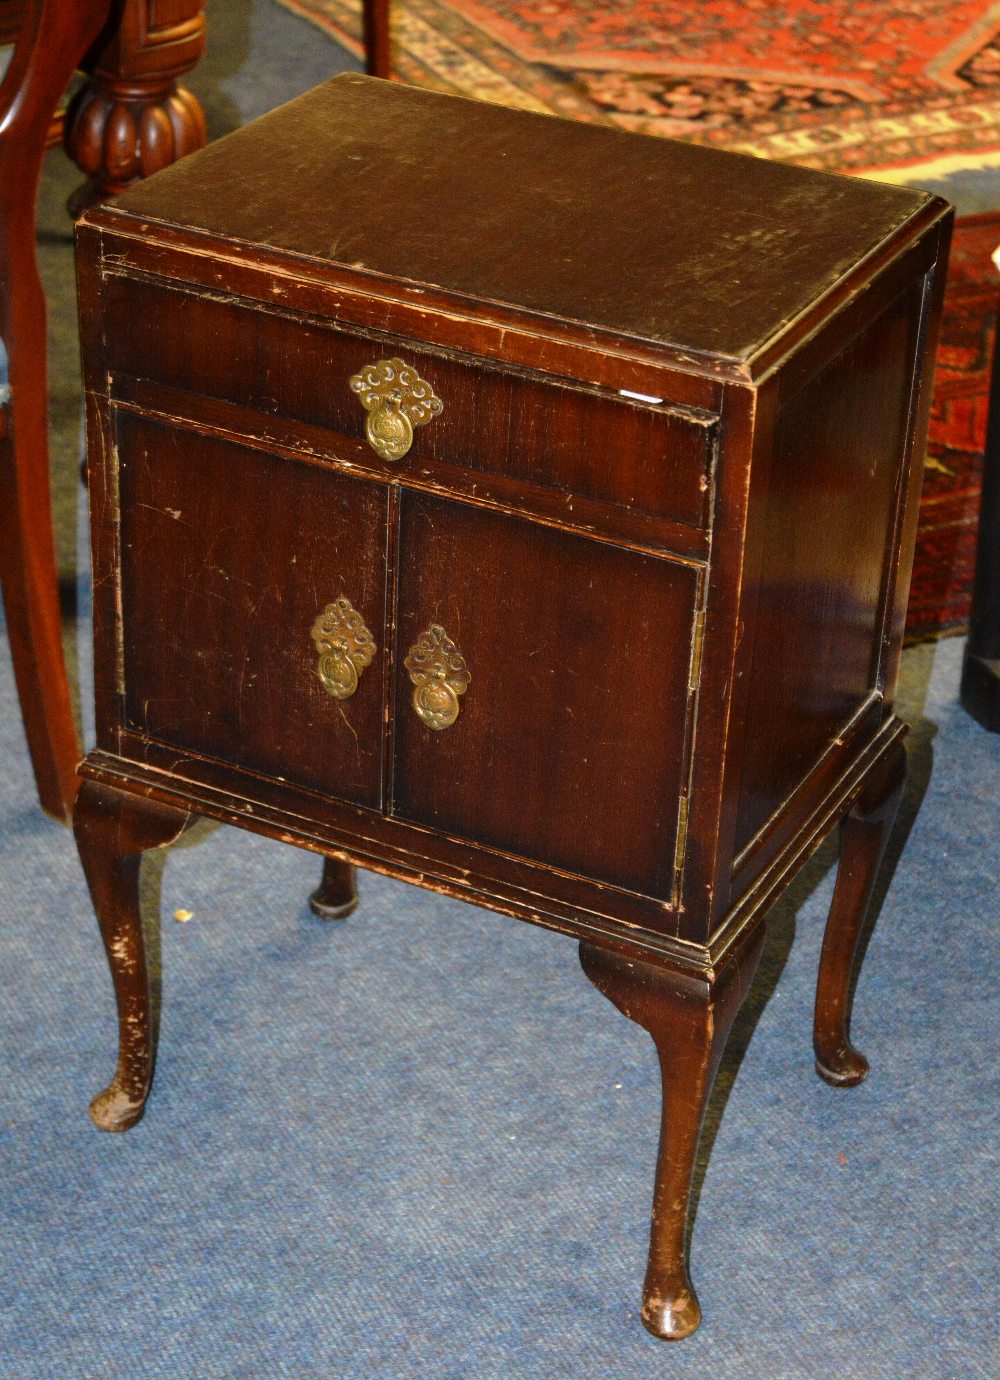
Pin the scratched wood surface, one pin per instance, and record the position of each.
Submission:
(416, 186)
(732, 663)
(663, 526)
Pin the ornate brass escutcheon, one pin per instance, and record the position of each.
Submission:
(345, 647)
(438, 670)
(396, 399)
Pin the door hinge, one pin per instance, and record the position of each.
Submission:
(682, 838)
(697, 644)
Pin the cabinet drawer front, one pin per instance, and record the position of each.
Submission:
(570, 741)
(228, 555)
(598, 445)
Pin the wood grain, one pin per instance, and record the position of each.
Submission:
(677, 614)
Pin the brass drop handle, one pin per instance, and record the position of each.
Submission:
(345, 648)
(396, 399)
(439, 673)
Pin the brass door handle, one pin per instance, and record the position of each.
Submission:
(439, 673)
(396, 399)
(345, 648)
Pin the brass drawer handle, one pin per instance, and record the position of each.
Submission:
(438, 670)
(396, 399)
(345, 648)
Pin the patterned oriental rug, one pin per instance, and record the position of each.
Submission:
(846, 85)
(899, 90)
(941, 591)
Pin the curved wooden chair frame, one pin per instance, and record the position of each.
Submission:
(55, 36)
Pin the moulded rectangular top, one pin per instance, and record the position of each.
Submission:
(674, 244)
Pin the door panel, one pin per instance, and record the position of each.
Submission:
(229, 554)
(569, 745)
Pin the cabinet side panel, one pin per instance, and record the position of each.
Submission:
(828, 528)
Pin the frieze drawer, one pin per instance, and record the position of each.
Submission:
(595, 444)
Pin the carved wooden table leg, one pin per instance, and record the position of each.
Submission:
(864, 832)
(689, 1019)
(113, 830)
(133, 118)
(337, 894)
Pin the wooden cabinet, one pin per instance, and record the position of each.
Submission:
(525, 511)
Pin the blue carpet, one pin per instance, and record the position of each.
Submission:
(419, 1144)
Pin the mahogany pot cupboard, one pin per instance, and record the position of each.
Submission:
(521, 509)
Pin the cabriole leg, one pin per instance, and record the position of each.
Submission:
(864, 832)
(113, 829)
(337, 894)
(689, 1019)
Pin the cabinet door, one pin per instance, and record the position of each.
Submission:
(569, 746)
(229, 555)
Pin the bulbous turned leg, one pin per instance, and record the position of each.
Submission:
(864, 832)
(120, 131)
(337, 895)
(113, 829)
(689, 1018)
(133, 117)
